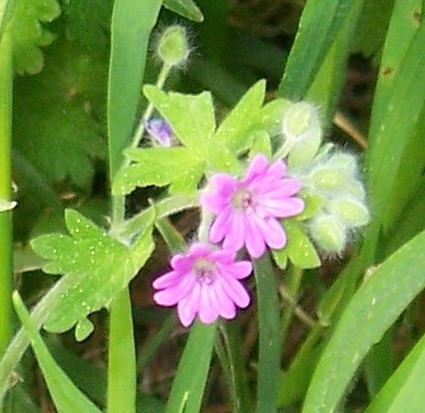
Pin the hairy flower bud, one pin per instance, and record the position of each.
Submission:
(329, 233)
(351, 211)
(333, 177)
(173, 47)
(302, 131)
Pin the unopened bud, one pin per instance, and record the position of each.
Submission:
(301, 129)
(352, 212)
(328, 179)
(159, 130)
(328, 232)
(173, 47)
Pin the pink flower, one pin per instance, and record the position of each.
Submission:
(248, 209)
(204, 282)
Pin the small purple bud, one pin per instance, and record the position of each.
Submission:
(159, 130)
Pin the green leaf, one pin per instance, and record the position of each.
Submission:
(88, 23)
(373, 309)
(410, 223)
(66, 396)
(186, 8)
(127, 65)
(330, 78)
(29, 34)
(24, 260)
(190, 380)
(261, 143)
(221, 158)
(299, 249)
(401, 31)
(234, 130)
(318, 27)
(97, 268)
(269, 335)
(405, 387)
(280, 257)
(191, 117)
(372, 27)
(393, 124)
(177, 167)
(54, 130)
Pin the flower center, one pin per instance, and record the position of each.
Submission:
(205, 270)
(242, 199)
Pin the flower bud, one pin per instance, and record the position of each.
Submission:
(301, 129)
(351, 211)
(328, 179)
(345, 161)
(173, 47)
(328, 232)
(159, 130)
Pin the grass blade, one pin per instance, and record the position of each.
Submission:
(132, 23)
(66, 396)
(405, 387)
(373, 309)
(318, 27)
(189, 383)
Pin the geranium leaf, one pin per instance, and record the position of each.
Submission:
(299, 249)
(96, 265)
(191, 117)
(29, 34)
(177, 167)
(237, 126)
(53, 124)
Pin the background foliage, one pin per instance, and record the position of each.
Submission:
(347, 336)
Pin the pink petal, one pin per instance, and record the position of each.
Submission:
(214, 202)
(281, 188)
(283, 208)
(189, 306)
(226, 185)
(181, 262)
(234, 290)
(238, 270)
(173, 294)
(272, 232)
(220, 226)
(235, 236)
(276, 170)
(257, 167)
(254, 239)
(223, 257)
(198, 250)
(207, 309)
(225, 305)
(167, 280)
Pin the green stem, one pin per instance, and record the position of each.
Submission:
(292, 288)
(6, 248)
(162, 77)
(163, 208)
(269, 336)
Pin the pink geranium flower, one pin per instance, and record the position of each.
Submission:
(204, 282)
(248, 209)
